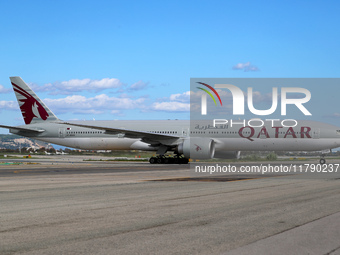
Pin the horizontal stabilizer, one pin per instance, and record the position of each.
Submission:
(23, 129)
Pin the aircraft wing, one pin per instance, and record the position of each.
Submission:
(23, 129)
(147, 137)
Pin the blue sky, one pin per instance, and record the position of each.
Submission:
(134, 59)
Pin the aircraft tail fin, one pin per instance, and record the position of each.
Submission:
(32, 108)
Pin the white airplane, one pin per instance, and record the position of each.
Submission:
(187, 139)
(61, 153)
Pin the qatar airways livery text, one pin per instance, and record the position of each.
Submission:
(186, 138)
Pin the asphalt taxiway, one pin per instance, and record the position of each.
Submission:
(70, 206)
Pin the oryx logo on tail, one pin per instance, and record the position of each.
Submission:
(30, 107)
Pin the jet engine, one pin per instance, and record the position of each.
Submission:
(197, 148)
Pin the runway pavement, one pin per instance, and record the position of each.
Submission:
(81, 207)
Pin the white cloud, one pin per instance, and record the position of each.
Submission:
(171, 106)
(77, 85)
(94, 105)
(4, 90)
(138, 85)
(246, 67)
(184, 97)
(175, 103)
(8, 105)
(116, 112)
(90, 85)
(101, 104)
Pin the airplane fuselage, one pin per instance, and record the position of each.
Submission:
(306, 136)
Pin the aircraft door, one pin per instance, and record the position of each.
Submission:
(316, 133)
(62, 132)
(185, 131)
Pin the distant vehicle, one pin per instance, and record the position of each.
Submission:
(166, 135)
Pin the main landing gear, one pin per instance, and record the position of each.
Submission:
(322, 161)
(163, 159)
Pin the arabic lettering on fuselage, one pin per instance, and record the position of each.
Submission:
(205, 127)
